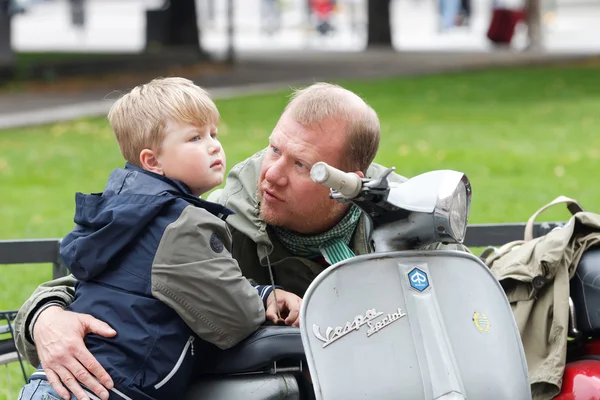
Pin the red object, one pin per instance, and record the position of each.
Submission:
(322, 8)
(581, 381)
(591, 347)
(502, 25)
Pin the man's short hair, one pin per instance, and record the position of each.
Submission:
(139, 118)
(317, 102)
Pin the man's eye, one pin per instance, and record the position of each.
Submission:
(298, 163)
(275, 150)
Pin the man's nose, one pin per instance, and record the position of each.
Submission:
(276, 174)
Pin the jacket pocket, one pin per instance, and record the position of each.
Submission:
(188, 345)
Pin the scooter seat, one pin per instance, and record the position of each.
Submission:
(258, 351)
(585, 293)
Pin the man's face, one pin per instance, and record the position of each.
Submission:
(288, 197)
(193, 155)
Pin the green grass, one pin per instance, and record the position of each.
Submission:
(523, 136)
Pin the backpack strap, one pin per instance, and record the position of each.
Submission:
(491, 254)
(572, 205)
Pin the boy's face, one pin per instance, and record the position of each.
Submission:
(193, 155)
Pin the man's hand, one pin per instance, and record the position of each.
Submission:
(289, 306)
(58, 336)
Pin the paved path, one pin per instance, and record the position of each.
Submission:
(259, 72)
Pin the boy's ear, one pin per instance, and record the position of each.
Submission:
(360, 173)
(149, 161)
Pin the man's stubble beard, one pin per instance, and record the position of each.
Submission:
(302, 223)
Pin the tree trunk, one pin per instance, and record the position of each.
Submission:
(534, 25)
(174, 26)
(379, 27)
(183, 24)
(7, 57)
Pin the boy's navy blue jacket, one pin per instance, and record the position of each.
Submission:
(153, 261)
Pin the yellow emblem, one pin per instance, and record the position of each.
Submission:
(482, 323)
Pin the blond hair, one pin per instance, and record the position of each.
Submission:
(317, 102)
(139, 118)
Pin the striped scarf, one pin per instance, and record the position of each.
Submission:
(332, 245)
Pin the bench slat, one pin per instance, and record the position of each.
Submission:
(481, 235)
(29, 251)
(34, 251)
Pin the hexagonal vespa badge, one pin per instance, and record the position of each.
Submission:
(418, 279)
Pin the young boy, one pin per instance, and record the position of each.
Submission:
(151, 258)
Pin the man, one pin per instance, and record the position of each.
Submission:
(283, 222)
(287, 221)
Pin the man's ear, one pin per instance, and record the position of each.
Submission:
(150, 162)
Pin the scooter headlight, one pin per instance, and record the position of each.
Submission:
(452, 209)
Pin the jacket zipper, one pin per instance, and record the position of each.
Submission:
(190, 343)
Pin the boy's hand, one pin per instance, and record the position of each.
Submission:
(289, 306)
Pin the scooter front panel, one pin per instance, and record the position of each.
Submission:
(412, 325)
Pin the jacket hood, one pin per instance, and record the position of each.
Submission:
(240, 195)
(108, 222)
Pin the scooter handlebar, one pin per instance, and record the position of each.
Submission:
(348, 184)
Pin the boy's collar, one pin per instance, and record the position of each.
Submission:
(184, 191)
(173, 182)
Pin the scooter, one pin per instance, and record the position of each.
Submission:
(581, 378)
(400, 323)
